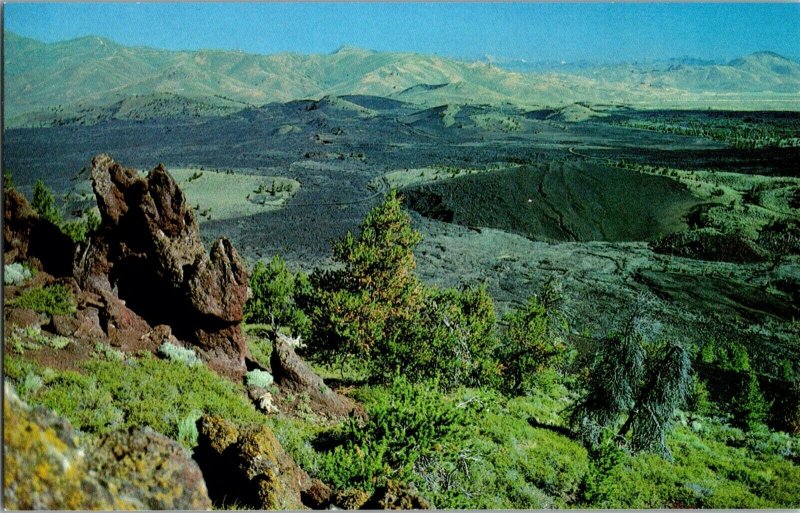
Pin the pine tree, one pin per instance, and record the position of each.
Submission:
(612, 387)
(368, 303)
(44, 204)
(664, 391)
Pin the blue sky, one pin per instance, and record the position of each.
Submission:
(571, 32)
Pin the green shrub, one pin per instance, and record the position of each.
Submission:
(43, 203)
(50, 300)
(748, 406)
(107, 352)
(187, 429)
(606, 457)
(733, 384)
(662, 393)
(451, 340)
(611, 387)
(405, 423)
(31, 383)
(75, 229)
(58, 342)
(274, 290)
(260, 348)
(498, 459)
(179, 354)
(8, 180)
(699, 399)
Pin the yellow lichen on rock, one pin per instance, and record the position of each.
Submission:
(47, 466)
(248, 462)
(43, 467)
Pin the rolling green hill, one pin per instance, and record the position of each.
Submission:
(92, 78)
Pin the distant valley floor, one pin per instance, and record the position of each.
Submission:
(502, 196)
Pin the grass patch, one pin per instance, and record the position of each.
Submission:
(245, 194)
(147, 391)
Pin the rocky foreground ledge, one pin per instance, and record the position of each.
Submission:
(48, 465)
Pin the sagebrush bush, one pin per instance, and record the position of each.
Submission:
(16, 274)
(259, 378)
(179, 354)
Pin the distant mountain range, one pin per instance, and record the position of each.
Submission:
(91, 78)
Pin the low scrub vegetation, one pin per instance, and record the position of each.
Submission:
(107, 394)
(51, 300)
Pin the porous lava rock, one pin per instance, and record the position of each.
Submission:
(147, 253)
(29, 237)
(149, 470)
(392, 495)
(247, 465)
(294, 375)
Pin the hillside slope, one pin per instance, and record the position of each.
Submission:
(61, 80)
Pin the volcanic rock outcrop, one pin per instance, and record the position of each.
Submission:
(148, 264)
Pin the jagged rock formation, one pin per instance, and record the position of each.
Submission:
(249, 464)
(145, 270)
(46, 466)
(28, 237)
(294, 375)
(148, 254)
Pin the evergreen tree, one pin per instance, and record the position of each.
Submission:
(274, 289)
(664, 391)
(532, 343)
(611, 389)
(367, 304)
(44, 204)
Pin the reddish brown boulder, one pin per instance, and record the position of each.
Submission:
(292, 374)
(148, 254)
(24, 317)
